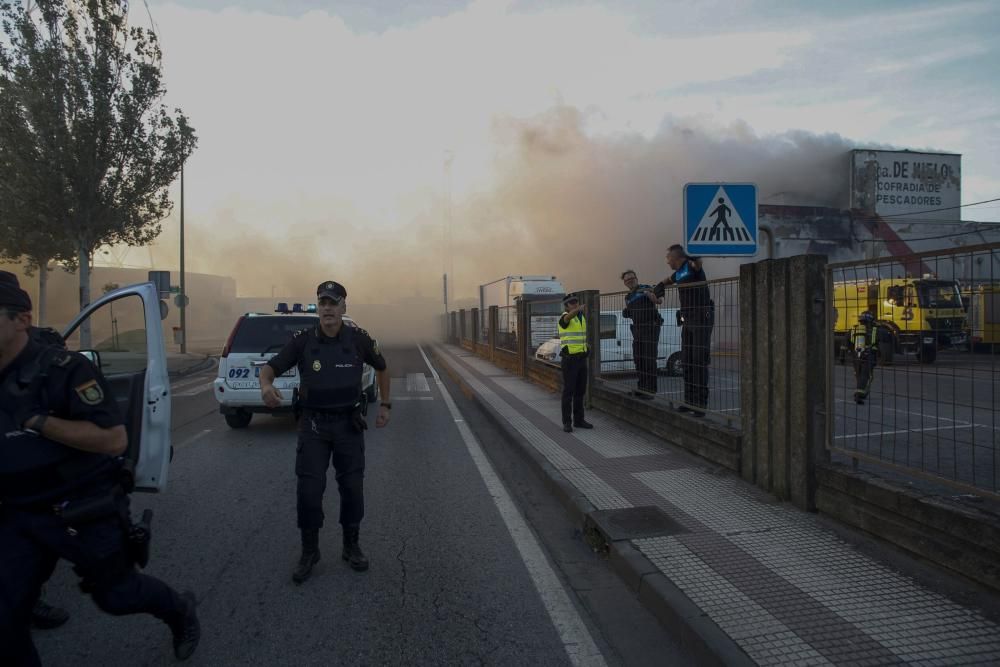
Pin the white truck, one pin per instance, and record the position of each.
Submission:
(510, 290)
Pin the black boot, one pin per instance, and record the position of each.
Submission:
(352, 551)
(310, 555)
(187, 630)
(45, 616)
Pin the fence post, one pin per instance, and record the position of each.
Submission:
(523, 344)
(783, 359)
(461, 325)
(475, 331)
(494, 320)
(591, 300)
(453, 327)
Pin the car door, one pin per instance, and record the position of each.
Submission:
(122, 333)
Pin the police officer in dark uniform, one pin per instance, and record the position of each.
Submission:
(63, 491)
(330, 358)
(696, 318)
(573, 354)
(641, 307)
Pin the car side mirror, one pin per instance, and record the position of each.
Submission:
(93, 356)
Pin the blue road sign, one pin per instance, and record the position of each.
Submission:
(720, 219)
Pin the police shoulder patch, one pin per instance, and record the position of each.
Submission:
(90, 392)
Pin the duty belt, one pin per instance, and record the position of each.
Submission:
(329, 413)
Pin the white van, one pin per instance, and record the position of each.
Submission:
(616, 344)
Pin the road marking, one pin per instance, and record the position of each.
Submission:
(905, 430)
(194, 437)
(576, 638)
(417, 383)
(413, 398)
(190, 382)
(924, 415)
(192, 392)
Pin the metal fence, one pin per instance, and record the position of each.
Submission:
(707, 379)
(915, 383)
(506, 338)
(468, 326)
(484, 327)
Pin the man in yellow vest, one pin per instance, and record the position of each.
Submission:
(573, 358)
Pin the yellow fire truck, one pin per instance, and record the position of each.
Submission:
(913, 315)
(983, 302)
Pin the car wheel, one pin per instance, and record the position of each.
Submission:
(239, 419)
(674, 366)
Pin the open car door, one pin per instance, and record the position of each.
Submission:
(122, 335)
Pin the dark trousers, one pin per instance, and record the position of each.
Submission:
(322, 440)
(645, 341)
(32, 543)
(574, 372)
(696, 343)
(864, 371)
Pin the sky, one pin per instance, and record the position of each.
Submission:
(383, 143)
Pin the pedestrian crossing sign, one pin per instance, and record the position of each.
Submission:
(720, 219)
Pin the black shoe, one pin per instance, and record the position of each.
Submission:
(352, 550)
(45, 616)
(305, 566)
(187, 631)
(568, 428)
(582, 424)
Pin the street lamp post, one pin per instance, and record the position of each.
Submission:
(183, 294)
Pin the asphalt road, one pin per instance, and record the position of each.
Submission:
(448, 583)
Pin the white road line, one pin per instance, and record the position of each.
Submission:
(417, 383)
(923, 415)
(905, 430)
(413, 398)
(196, 436)
(576, 638)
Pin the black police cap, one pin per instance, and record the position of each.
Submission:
(11, 294)
(570, 297)
(332, 290)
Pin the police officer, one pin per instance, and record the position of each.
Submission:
(864, 343)
(573, 359)
(62, 493)
(641, 308)
(330, 357)
(696, 318)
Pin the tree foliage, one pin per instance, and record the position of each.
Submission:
(88, 150)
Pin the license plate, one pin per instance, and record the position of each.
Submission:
(244, 384)
(286, 374)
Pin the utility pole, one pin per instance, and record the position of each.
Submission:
(449, 157)
(183, 294)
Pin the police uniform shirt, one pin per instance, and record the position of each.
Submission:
(691, 298)
(640, 309)
(73, 390)
(308, 343)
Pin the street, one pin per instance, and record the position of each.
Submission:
(448, 583)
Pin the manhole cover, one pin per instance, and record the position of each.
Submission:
(635, 522)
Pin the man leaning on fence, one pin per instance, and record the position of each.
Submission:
(696, 318)
(641, 307)
(573, 359)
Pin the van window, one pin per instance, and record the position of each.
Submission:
(268, 334)
(609, 324)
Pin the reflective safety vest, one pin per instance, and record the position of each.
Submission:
(574, 337)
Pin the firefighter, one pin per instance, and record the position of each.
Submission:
(864, 343)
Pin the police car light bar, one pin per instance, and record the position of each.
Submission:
(297, 308)
(281, 308)
(311, 308)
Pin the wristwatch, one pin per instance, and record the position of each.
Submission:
(386, 404)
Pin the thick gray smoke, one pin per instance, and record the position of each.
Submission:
(563, 203)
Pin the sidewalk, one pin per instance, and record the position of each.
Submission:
(746, 578)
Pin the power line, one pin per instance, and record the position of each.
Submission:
(935, 210)
(942, 236)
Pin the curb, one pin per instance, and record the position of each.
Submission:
(657, 593)
(201, 365)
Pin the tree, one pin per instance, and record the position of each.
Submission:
(83, 113)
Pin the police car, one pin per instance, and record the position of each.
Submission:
(256, 338)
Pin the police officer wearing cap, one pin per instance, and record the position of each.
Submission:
(62, 493)
(330, 358)
(573, 360)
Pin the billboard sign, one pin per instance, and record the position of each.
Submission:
(907, 184)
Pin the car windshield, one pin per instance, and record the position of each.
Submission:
(942, 294)
(260, 334)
